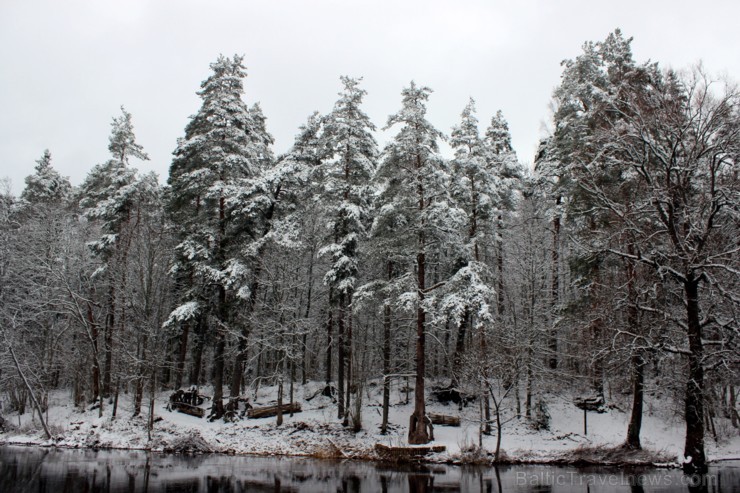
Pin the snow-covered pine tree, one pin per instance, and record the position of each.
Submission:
(110, 196)
(271, 202)
(417, 212)
(351, 156)
(46, 185)
(475, 189)
(122, 142)
(469, 294)
(225, 145)
(502, 161)
(306, 155)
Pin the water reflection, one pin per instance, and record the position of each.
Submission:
(26, 469)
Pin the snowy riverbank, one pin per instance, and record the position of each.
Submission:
(316, 432)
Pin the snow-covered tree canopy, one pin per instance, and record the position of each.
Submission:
(46, 185)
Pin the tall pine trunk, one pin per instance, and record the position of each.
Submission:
(329, 339)
(110, 320)
(418, 433)
(217, 410)
(348, 357)
(419, 426)
(554, 289)
(182, 352)
(237, 372)
(340, 357)
(386, 355)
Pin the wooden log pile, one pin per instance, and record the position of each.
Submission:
(444, 419)
(187, 402)
(269, 411)
(198, 412)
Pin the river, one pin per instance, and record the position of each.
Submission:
(49, 470)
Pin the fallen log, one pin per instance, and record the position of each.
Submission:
(188, 409)
(269, 411)
(444, 419)
(449, 394)
(406, 453)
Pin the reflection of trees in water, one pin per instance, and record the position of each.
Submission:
(420, 483)
(26, 469)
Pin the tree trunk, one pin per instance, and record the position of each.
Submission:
(340, 357)
(638, 361)
(386, 356)
(459, 354)
(554, 288)
(304, 349)
(115, 398)
(152, 397)
(140, 379)
(418, 433)
(694, 409)
(348, 357)
(486, 376)
(500, 265)
(633, 430)
(241, 354)
(420, 428)
(499, 430)
(217, 411)
(96, 361)
(108, 339)
(279, 419)
(329, 331)
(36, 404)
(181, 354)
(198, 350)
(530, 376)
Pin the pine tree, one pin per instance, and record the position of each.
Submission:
(122, 142)
(224, 146)
(46, 185)
(416, 209)
(508, 175)
(111, 196)
(469, 294)
(346, 171)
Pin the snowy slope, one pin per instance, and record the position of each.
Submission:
(316, 430)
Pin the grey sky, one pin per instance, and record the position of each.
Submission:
(67, 66)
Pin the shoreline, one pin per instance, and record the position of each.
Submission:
(315, 432)
(557, 460)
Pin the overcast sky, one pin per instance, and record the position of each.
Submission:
(67, 66)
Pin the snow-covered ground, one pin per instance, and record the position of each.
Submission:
(317, 431)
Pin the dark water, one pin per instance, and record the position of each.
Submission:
(41, 470)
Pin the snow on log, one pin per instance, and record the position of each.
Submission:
(198, 412)
(444, 419)
(269, 411)
(187, 402)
